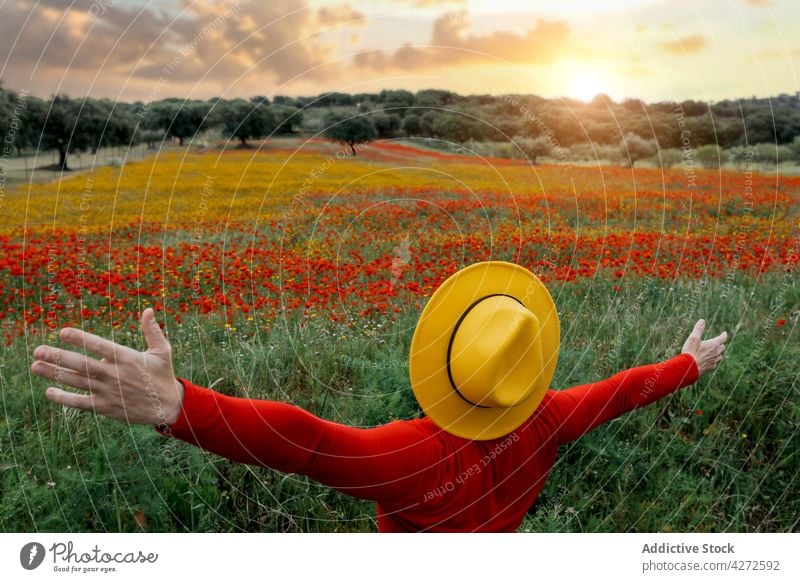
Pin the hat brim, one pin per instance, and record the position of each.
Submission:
(428, 358)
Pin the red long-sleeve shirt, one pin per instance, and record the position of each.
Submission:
(422, 478)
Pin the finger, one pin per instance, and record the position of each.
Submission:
(153, 335)
(716, 341)
(68, 359)
(95, 344)
(699, 327)
(64, 375)
(79, 401)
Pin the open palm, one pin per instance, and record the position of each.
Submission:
(707, 353)
(125, 384)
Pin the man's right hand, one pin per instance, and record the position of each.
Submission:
(707, 353)
(126, 385)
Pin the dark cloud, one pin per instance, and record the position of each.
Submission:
(452, 44)
(275, 40)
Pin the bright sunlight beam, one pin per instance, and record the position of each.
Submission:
(584, 84)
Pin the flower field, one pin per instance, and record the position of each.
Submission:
(244, 236)
(296, 273)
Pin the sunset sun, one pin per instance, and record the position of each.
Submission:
(584, 84)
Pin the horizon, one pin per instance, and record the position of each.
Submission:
(655, 51)
(563, 98)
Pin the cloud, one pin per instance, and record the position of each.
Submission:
(343, 13)
(687, 45)
(275, 41)
(451, 44)
(428, 3)
(774, 54)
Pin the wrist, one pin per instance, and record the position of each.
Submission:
(174, 413)
(695, 371)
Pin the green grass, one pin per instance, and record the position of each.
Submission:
(664, 468)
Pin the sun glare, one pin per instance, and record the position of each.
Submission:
(584, 85)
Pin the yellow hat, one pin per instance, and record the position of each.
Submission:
(484, 350)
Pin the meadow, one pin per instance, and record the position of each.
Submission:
(296, 273)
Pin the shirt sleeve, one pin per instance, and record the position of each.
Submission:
(384, 463)
(582, 408)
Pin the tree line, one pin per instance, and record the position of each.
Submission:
(77, 125)
(534, 126)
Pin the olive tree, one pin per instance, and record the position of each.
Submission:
(349, 129)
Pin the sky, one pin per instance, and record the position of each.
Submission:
(650, 49)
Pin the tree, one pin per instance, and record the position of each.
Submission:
(93, 116)
(177, 118)
(105, 123)
(601, 133)
(399, 96)
(152, 137)
(561, 120)
(601, 101)
(633, 148)
(787, 123)
(711, 156)
(505, 125)
(335, 99)
(31, 115)
(349, 130)
(701, 129)
(741, 156)
(386, 124)
(18, 120)
(694, 108)
(285, 101)
(121, 127)
(456, 127)
(397, 101)
(634, 105)
(666, 131)
(59, 121)
(667, 158)
(435, 98)
(729, 131)
(287, 118)
(533, 148)
(610, 153)
(7, 100)
(426, 123)
(245, 119)
(794, 149)
(411, 124)
(770, 153)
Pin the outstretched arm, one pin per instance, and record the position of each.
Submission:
(582, 408)
(382, 463)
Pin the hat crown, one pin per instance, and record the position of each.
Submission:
(496, 355)
(484, 350)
